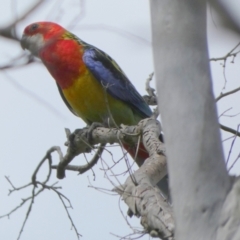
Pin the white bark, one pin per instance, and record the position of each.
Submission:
(140, 191)
(230, 217)
(198, 178)
(149, 129)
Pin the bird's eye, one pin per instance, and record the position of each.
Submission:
(34, 27)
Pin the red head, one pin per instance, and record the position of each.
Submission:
(37, 35)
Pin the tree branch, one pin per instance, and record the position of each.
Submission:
(9, 31)
(229, 54)
(227, 93)
(139, 191)
(34, 193)
(229, 219)
(228, 129)
(78, 142)
(142, 196)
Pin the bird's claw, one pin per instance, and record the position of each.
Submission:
(93, 126)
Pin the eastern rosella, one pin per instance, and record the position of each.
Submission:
(82, 72)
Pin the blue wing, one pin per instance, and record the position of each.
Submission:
(109, 74)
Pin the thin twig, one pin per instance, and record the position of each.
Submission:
(32, 95)
(61, 196)
(232, 144)
(234, 162)
(222, 114)
(228, 129)
(43, 186)
(82, 169)
(229, 54)
(224, 59)
(9, 31)
(227, 93)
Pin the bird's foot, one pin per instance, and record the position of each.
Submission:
(93, 126)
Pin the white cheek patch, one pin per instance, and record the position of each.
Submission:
(34, 43)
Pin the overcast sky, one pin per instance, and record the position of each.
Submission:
(33, 116)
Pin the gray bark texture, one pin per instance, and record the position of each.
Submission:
(199, 181)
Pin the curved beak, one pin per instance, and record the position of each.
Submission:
(23, 41)
(33, 43)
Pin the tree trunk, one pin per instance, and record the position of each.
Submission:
(199, 181)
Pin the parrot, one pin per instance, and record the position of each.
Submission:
(90, 82)
(88, 79)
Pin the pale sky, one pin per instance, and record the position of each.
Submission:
(33, 116)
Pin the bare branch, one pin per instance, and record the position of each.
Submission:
(78, 142)
(9, 31)
(222, 114)
(19, 61)
(234, 162)
(115, 30)
(228, 129)
(224, 59)
(226, 17)
(143, 197)
(88, 166)
(229, 54)
(227, 93)
(151, 98)
(32, 95)
(230, 150)
(34, 193)
(140, 188)
(75, 21)
(62, 197)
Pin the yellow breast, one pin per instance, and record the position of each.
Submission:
(92, 103)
